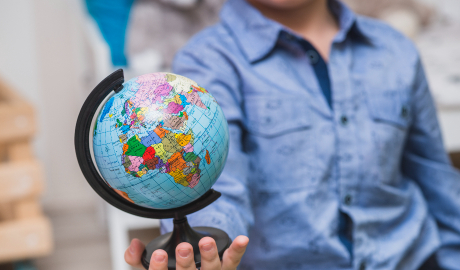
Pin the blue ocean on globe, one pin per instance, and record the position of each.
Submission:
(161, 142)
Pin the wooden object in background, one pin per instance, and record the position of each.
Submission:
(24, 231)
(27, 208)
(17, 116)
(25, 238)
(20, 151)
(19, 180)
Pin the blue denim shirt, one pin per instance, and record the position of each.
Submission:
(295, 164)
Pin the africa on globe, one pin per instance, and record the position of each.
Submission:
(161, 142)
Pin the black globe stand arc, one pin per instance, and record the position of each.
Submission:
(182, 231)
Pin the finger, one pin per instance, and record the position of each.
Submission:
(232, 256)
(159, 260)
(209, 256)
(184, 257)
(134, 252)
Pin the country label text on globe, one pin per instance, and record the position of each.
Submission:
(161, 142)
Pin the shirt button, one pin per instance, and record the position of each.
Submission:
(289, 36)
(347, 199)
(404, 111)
(362, 266)
(344, 120)
(313, 56)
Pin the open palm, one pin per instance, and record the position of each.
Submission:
(184, 255)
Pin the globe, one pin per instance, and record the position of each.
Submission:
(161, 142)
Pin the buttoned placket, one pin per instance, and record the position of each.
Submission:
(343, 96)
(341, 121)
(319, 66)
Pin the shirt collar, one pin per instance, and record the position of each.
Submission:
(258, 35)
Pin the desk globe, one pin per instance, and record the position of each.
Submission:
(154, 146)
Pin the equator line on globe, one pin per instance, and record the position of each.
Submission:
(161, 142)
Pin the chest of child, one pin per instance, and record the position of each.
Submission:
(295, 140)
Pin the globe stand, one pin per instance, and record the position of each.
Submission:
(182, 231)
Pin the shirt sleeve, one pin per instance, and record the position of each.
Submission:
(232, 211)
(426, 161)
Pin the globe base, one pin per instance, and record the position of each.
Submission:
(182, 232)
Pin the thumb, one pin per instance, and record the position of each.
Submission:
(134, 252)
(232, 256)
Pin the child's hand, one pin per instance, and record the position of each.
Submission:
(184, 255)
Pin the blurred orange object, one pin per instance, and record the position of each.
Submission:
(24, 231)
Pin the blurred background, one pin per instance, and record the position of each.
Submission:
(53, 52)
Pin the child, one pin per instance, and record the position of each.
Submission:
(336, 159)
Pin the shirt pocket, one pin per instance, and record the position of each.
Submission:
(390, 122)
(391, 107)
(280, 143)
(271, 116)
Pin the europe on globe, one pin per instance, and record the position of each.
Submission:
(161, 142)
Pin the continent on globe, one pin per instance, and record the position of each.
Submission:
(158, 129)
(123, 194)
(175, 146)
(208, 157)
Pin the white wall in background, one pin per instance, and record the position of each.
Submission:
(439, 46)
(18, 55)
(42, 55)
